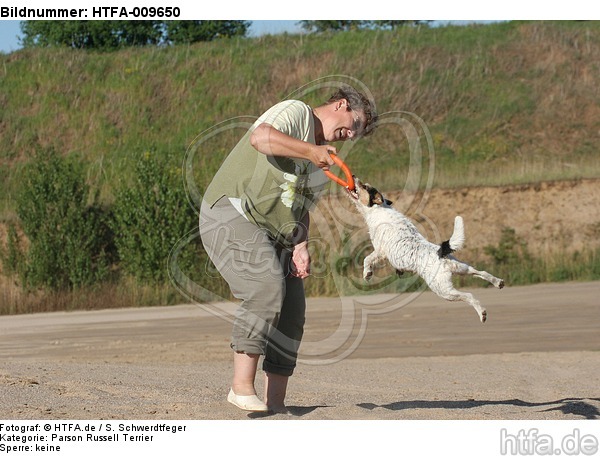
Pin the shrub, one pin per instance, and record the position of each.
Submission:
(510, 250)
(13, 260)
(512, 260)
(69, 239)
(151, 214)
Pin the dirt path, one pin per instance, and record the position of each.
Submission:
(537, 357)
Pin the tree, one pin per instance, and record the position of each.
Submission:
(101, 35)
(331, 25)
(185, 32)
(392, 25)
(109, 35)
(345, 25)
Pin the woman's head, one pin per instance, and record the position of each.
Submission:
(348, 114)
(359, 104)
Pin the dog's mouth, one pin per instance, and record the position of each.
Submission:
(353, 193)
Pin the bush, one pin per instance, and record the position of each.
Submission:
(510, 250)
(512, 260)
(69, 239)
(151, 214)
(13, 260)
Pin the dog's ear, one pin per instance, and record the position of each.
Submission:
(377, 198)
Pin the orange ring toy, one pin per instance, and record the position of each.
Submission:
(349, 182)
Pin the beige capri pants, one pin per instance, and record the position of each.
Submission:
(270, 319)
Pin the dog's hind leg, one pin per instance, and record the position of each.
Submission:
(456, 295)
(441, 284)
(372, 261)
(460, 268)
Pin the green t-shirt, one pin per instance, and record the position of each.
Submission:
(275, 192)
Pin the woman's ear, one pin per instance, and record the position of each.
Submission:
(340, 104)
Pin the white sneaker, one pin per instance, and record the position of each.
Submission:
(250, 403)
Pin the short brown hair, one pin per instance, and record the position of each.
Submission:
(358, 102)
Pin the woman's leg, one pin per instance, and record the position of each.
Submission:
(275, 391)
(245, 257)
(244, 373)
(284, 343)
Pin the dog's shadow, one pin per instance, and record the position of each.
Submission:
(568, 406)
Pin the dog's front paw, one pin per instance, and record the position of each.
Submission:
(483, 316)
(367, 274)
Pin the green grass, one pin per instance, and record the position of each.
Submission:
(509, 96)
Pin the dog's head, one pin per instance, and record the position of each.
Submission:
(367, 195)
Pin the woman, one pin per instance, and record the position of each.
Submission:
(254, 226)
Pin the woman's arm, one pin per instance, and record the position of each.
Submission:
(268, 140)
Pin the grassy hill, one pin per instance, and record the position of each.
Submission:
(505, 103)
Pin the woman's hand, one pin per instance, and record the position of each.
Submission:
(321, 156)
(301, 261)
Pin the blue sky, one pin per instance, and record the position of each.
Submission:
(10, 30)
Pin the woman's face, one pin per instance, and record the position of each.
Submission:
(344, 123)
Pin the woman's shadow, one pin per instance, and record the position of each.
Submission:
(568, 406)
(578, 407)
(295, 411)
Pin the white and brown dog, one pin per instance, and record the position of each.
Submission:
(396, 239)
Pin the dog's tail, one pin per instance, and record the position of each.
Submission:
(456, 241)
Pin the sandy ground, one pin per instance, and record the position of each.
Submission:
(537, 357)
